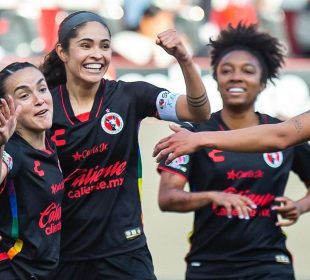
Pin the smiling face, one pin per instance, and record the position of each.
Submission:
(89, 54)
(29, 90)
(239, 76)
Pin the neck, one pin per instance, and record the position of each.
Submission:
(82, 96)
(236, 120)
(35, 139)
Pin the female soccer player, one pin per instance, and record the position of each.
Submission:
(95, 128)
(32, 186)
(229, 240)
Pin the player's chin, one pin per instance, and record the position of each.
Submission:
(44, 124)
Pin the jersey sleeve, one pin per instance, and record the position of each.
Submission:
(181, 165)
(7, 160)
(153, 101)
(12, 157)
(301, 162)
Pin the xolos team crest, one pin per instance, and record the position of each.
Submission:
(274, 159)
(112, 123)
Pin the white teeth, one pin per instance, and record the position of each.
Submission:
(236, 89)
(93, 66)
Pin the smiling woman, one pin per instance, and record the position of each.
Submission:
(236, 196)
(102, 233)
(30, 209)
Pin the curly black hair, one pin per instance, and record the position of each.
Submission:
(261, 44)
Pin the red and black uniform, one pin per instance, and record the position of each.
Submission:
(30, 211)
(223, 248)
(100, 159)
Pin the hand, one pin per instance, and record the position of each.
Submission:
(242, 204)
(181, 143)
(288, 210)
(171, 42)
(8, 117)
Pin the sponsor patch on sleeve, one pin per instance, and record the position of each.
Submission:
(180, 163)
(166, 105)
(7, 159)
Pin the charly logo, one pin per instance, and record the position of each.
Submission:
(112, 123)
(274, 160)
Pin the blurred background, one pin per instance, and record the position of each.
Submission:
(28, 30)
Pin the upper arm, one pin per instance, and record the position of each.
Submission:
(170, 183)
(299, 128)
(182, 109)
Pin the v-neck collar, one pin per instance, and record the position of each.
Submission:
(95, 110)
(262, 118)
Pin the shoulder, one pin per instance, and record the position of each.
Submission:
(210, 125)
(267, 119)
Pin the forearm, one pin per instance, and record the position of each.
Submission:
(176, 200)
(304, 203)
(197, 101)
(260, 138)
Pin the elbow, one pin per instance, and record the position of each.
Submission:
(283, 142)
(164, 205)
(167, 202)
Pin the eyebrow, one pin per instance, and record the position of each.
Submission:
(230, 63)
(25, 87)
(91, 40)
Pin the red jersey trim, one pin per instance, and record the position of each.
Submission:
(101, 101)
(63, 105)
(161, 168)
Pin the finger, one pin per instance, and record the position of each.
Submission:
(246, 211)
(161, 145)
(175, 128)
(229, 210)
(241, 213)
(171, 157)
(2, 120)
(11, 105)
(285, 223)
(17, 111)
(5, 108)
(281, 199)
(163, 153)
(168, 41)
(283, 208)
(290, 216)
(249, 202)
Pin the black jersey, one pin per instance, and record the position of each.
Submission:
(101, 163)
(261, 177)
(30, 212)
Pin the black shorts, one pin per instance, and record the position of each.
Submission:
(134, 265)
(240, 271)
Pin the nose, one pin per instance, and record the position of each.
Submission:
(236, 76)
(97, 53)
(38, 98)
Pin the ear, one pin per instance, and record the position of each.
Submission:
(61, 53)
